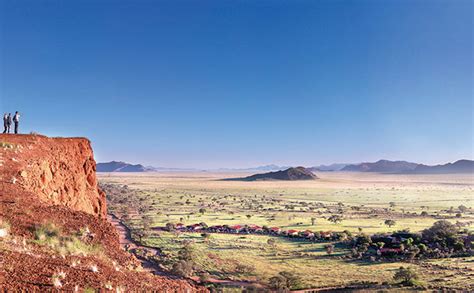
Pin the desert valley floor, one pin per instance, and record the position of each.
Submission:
(148, 203)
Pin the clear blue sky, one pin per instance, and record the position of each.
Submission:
(241, 83)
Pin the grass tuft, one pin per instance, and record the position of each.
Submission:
(50, 235)
(7, 145)
(4, 228)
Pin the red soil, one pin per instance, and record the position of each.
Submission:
(66, 196)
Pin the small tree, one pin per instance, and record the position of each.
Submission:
(204, 277)
(313, 221)
(271, 242)
(442, 232)
(390, 223)
(412, 252)
(335, 219)
(186, 253)
(329, 249)
(278, 283)
(284, 281)
(292, 280)
(147, 221)
(462, 208)
(170, 227)
(183, 268)
(202, 211)
(406, 276)
(206, 236)
(244, 269)
(138, 234)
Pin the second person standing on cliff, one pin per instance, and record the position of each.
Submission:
(5, 123)
(16, 120)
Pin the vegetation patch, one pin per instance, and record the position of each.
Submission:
(51, 236)
(7, 145)
(327, 234)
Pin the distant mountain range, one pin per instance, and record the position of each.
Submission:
(290, 174)
(381, 166)
(271, 167)
(328, 168)
(461, 166)
(386, 166)
(116, 166)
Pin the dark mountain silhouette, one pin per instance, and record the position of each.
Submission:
(115, 166)
(290, 174)
(382, 166)
(461, 166)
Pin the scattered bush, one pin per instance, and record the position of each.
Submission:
(186, 253)
(335, 219)
(204, 277)
(271, 242)
(442, 233)
(183, 268)
(390, 223)
(329, 249)
(406, 276)
(285, 281)
(170, 227)
(278, 283)
(244, 269)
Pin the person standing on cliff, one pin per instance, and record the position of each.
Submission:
(9, 122)
(5, 123)
(16, 119)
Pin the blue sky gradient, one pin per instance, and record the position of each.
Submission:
(212, 84)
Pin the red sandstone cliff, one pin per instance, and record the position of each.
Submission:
(59, 171)
(51, 181)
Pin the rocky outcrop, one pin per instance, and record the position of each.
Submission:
(290, 174)
(115, 166)
(51, 182)
(60, 171)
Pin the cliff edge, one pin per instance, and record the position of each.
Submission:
(60, 171)
(54, 235)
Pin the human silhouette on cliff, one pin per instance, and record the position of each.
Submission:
(5, 119)
(7, 122)
(16, 119)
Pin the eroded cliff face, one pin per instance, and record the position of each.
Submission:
(50, 182)
(60, 171)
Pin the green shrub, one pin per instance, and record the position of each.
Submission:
(406, 276)
(285, 281)
(183, 268)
